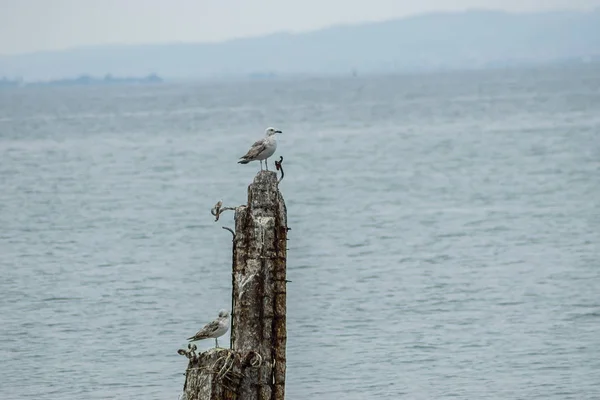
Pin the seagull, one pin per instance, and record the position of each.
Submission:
(262, 149)
(213, 329)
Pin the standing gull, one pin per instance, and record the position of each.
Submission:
(213, 329)
(262, 149)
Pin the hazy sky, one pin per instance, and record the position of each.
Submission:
(32, 25)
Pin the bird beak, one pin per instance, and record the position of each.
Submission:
(278, 132)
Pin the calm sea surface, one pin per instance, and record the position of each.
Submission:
(444, 243)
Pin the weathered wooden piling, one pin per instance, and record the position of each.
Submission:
(255, 366)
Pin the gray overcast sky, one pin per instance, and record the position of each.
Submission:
(32, 25)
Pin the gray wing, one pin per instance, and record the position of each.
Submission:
(257, 148)
(206, 331)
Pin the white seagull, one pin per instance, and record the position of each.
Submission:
(262, 149)
(213, 329)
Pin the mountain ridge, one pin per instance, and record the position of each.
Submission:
(444, 40)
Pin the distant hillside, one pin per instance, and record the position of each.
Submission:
(432, 41)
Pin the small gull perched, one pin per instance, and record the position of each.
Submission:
(213, 329)
(262, 149)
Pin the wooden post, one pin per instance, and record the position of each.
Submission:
(254, 368)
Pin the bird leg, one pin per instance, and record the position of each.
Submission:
(267, 164)
(216, 343)
(261, 165)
